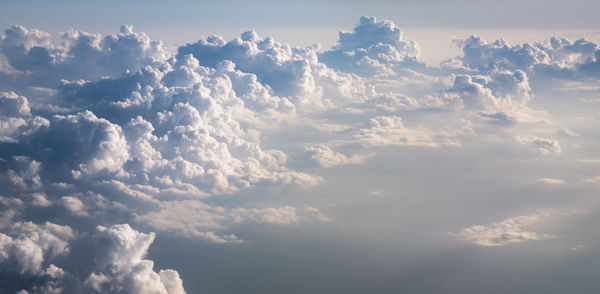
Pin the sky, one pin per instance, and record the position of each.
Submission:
(299, 147)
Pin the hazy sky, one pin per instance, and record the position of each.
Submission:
(311, 13)
(424, 147)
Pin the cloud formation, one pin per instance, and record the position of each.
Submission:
(103, 138)
(508, 231)
(374, 47)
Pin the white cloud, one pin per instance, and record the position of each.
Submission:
(326, 157)
(390, 130)
(508, 231)
(550, 181)
(29, 245)
(556, 57)
(122, 267)
(116, 129)
(79, 56)
(373, 47)
(73, 205)
(544, 146)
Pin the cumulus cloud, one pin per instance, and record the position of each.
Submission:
(508, 231)
(556, 57)
(326, 157)
(79, 56)
(390, 130)
(16, 121)
(544, 146)
(286, 71)
(105, 130)
(373, 47)
(122, 267)
(30, 244)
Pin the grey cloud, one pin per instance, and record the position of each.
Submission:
(80, 55)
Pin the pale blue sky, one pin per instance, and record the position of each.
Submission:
(234, 13)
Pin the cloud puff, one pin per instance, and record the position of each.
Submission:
(122, 267)
(507, 231)
(79, 56)
(16, 121)
(557, 57)
(373, 47)
(326, 157)
(289, 72)
(31, 244)
(499, 90)
(542, 145)
(390, 130)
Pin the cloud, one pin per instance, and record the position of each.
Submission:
(73, 205)
(289, 72)
(508, 231)
(115, 131)
(390, 130)
(550, 181)
(373, 47)
(122, 267)
(197, 219)
(31, 244)
(556, 57)
(567, 132)
(326, 157)
(16, 121)
(546, 147)
(79, 56)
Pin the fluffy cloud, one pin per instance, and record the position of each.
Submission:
(79, 56)
(499, 90)
(373, 47)
(542, 145)
(326, 157)
(122, 267)
(508, 231)
(557, 57)
(16, 121)
(30, 244)
(390, 130)
(289, 72)
(104, 130)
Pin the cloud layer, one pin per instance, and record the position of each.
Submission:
(107, 139)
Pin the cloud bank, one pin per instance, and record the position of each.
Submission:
(111, 138)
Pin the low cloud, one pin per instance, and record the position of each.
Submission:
(508, 231)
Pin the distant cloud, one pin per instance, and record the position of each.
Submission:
(373, 47)
(508, 231)
(557, 57)
(544, 146)
(550, 181)
(326, 157)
